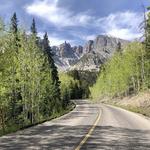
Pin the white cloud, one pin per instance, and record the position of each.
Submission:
(124, 25)
(55, 40)
(61, 17)
(90, 37)
(123, 34)
(83, 36)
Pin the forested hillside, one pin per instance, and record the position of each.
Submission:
(127, 72)
(30, 89)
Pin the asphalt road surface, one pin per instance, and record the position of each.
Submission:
(88, 127)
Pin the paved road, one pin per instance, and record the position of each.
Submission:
(119, 129)
(114, 129)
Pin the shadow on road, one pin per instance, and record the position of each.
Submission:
(66, 137)
(116, 138)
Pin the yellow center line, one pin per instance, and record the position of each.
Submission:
(89, 132)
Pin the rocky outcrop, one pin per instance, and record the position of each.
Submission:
(66, 51)
(103, 44)
(98, 51)
(90, 57)
(55, 50)
(78, 50)
(66, 56)
(88, 47)
(89, 61)
(107, 44)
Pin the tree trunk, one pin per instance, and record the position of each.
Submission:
(2, 119)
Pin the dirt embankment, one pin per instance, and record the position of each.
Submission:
(138, 103)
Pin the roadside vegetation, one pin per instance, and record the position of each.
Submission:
(141, 110)
(85, 80)
(30, 88)
(126, 73)
(123, 74)
(75, 84)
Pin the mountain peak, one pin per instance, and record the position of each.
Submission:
(91, 56)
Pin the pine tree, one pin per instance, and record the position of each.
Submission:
(48, 51)
(14, 31)
(14, 24)
(14, 45)
(29, 82)
(54, 73)
(34, 33)
(33, 28)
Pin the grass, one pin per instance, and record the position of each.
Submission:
(141, 110)
(13, 127)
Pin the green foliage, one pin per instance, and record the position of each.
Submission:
(29, 82)
(85, 79)
(122, 74)
(14, 24)
(128, 71)
(68, 87)
(75, 84)
(33, 28)
(147, 50)
(48, 52)
(145, 110)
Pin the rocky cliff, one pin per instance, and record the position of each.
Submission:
(66, 56)
(97, 51)
(90, 57)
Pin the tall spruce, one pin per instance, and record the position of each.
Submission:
(30, 91)
(14, 30)
(48, 51)
(14, 44)
(33, 28)
(54, 73)
(14, 24)
(34, 33)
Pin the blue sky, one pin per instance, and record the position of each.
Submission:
(77, 21)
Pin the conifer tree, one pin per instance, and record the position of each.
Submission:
(33, 28)
(29, 82)
(54, 73)
(48, 51)
(14, 24)
(14, 45)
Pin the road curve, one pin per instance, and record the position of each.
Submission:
(87, 127)
(64, 133)
(119, 129)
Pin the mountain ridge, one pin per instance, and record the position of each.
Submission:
(88, 57)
